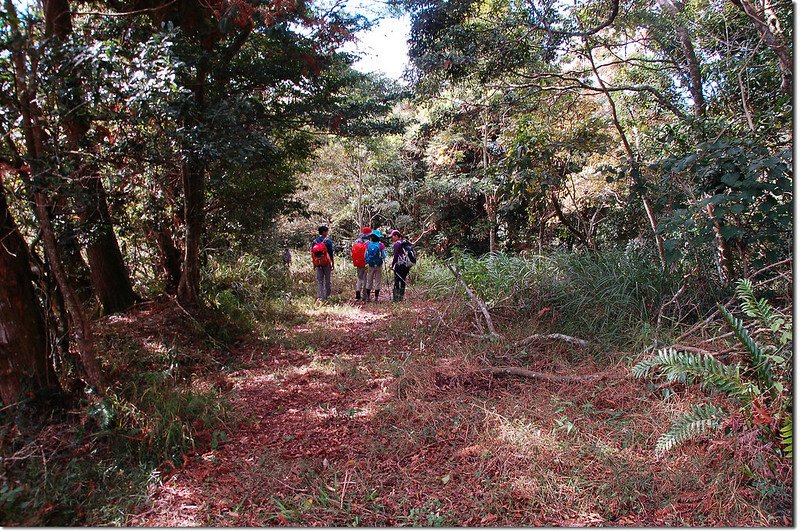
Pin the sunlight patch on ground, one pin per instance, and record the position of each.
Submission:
(182, 497)
(347, 314)
(318, 365)
(525, 435)
(155, 347)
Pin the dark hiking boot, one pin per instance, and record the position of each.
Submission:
(377, 293)
(358, 295)
(366, 295)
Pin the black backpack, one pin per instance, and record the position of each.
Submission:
(409, 257)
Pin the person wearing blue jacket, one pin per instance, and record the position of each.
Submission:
(374, 257)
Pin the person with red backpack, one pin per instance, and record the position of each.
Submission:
(322, 258)
(358, 254)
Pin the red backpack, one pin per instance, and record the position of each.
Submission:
(358, 252)
(319, 255)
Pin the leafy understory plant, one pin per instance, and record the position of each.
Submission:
(757, 383)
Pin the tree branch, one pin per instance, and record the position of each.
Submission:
(478, 303)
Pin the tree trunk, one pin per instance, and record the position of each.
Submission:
(193, 178)
(491, 213)
(34, 143)
(559, 213)
(695, 75)
(724, 258)
(77, 270)
(110, 278)
(25, 365)
(633, 159)
(774, 40)
(169, 256)
(193, 174)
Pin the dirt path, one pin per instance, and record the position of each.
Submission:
(305, 410)
(365, 415)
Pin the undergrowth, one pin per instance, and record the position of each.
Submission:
(758, 381)
(91, 463)
(614, 297)
(248, 290)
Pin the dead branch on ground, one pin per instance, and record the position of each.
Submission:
(554, 336)
(538, 375)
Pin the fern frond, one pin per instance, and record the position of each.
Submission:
(756, 357)
(787, 431)
(642, 369)
(755, 308)
(760, 309)
(710, 372)
(699, 421)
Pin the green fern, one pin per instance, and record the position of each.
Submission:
(699, 421)
(679, 366)
(760, 308)
(787, 430)
(757, 358)
(771, 319)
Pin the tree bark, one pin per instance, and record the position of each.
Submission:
(695, 74)
(193, 174)
(537, 375)
(724, 259)
(110, 278)
(78, 272)
(25, 365)
(193, 178)
(491, 212)
(169, 256)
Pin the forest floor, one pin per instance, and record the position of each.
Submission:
(377, 414)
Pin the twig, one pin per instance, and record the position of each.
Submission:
(441, 320)
(673, 300)
(553, 336)
(12, 405)
(345, 482)
(480, 304)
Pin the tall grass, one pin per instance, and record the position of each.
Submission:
(611, 298)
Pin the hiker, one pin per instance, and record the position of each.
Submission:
(374, 257)
(287, 258)
(358, 254)
(322, 257)
(403, 258)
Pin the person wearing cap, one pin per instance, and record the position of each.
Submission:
(374, 257)
(358, 252)
(399, 266)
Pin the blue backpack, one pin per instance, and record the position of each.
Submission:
(373, 256)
